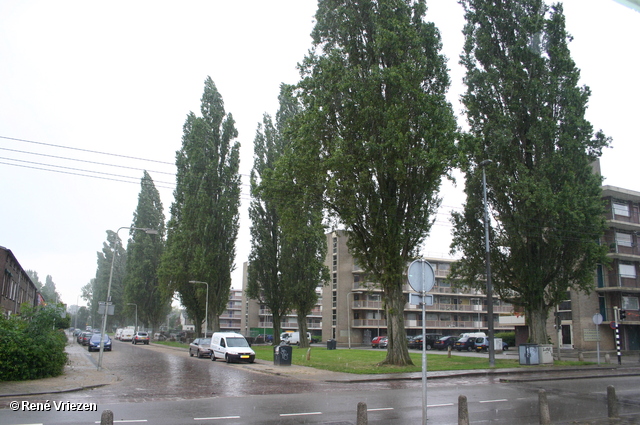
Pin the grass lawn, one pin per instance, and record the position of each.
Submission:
(366, 361)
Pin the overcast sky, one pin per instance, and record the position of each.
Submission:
(96, 83)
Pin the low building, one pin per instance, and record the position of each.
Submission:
(16, 287)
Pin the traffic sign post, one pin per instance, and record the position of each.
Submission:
(421, 279)
(597, 320)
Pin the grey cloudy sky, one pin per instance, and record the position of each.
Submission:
(120, 77)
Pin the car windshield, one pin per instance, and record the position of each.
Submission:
(205, 341)
(237, 342)
(96, 338)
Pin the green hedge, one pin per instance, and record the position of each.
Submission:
(30, 348)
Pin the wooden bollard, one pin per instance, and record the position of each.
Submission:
(545, 419)
(580, 357)
(463, 410)
(612, 402)
(449, 352)
(106, 418)
(362, 414)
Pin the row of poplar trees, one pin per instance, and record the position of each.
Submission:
(363, 141)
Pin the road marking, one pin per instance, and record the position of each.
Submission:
(379, 409)
(125, 421)
(213, 418)
(493, 401)
(300, 414)
(440, 405)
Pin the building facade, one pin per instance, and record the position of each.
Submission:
(16, 287)
(617, 285)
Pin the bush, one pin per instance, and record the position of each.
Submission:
(508, 337)
(30, 348)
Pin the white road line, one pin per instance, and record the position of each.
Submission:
(125, 421)
(379, 409)
(213, 418)
(440, 405)
(300, 414)
(493, 401)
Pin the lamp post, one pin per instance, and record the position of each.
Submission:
(206, 306)
(492, 350)
(136, 314)
(106, 306)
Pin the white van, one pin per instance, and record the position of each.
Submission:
(127, 335)
(232, 347)
(118, 333)
(293, 337)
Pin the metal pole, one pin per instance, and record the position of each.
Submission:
(616, 311)
(492, 350)
(424, 359)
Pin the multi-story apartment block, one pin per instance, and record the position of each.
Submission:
(353, 311)
(16, 287)
(617, 285)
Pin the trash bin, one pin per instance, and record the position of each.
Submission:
(331, 344)
(528, 354)
(282, 355)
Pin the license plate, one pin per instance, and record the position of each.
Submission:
(244, 357)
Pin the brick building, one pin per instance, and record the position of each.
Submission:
(16, 288)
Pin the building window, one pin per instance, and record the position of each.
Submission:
(621, 209)
(630, 303)
(623, 239)
(627, 270)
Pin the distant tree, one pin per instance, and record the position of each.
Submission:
(526, 114)
(373, 89)
(33, 275)
(101, 283)
(49, 291)
(203, 228)
(144, 252)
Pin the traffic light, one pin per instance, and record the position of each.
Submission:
(623, 314)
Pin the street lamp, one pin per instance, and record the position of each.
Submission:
(492, 350)
(136, 314)
(106, 306)
(206, 307)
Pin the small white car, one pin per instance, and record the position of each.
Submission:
(232, 347)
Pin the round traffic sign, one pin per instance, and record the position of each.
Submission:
(597, 319)
(421, 276)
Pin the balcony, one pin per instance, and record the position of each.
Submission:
(615, 281)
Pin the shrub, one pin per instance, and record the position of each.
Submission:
(30, 347)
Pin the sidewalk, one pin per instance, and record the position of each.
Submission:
(81, 373)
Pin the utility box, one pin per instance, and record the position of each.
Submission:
(528, 354)
(545, 353)
(331, 344)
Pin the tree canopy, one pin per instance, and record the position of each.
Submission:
(373, 89)
(526, 114)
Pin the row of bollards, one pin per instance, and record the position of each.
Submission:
(463, 409)
(545, 417)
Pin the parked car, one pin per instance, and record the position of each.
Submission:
(231, 347)
(118, 333)
(445, 342)
(482, 344)
(141, 337)
(375, 342)
(200, 347)
(94, 343)
(467, 343)
(127, 335)
(430, 340)
(384, 342)
(85, 337)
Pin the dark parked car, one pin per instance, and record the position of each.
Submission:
(445, 342)
(467, 343)
(84, 338)
(200, 347)
(94, 343)
(141, 337)
(482, 344)
(430, 339)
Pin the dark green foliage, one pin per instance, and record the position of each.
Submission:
(96, 290)
(526, 114)
(30, 347)
(376, 116)
(203, 228)
(144, 252)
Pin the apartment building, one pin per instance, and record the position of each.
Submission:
(16, 287)
(617, 285)
(353, 311)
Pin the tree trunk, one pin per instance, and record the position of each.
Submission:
(302, 330)
(397, 352)
(277, 330)
(537, 321)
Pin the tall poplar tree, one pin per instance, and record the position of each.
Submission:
(374, 89)
(203, 228)
(144, 253)
(526, 114)
(100, 284)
